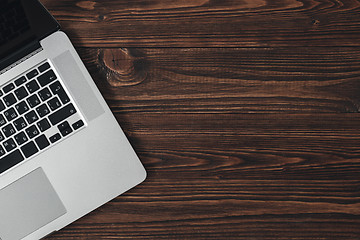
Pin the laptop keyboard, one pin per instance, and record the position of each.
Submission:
(35, 113)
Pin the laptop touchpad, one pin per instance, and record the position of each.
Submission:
(28, 204)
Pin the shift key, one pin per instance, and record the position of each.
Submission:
(61, 114)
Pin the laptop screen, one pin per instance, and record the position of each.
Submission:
(22, 23)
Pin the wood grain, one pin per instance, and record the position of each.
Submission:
(244, 113)
(236, 176)
(223, 160)
(231, 80)
(209, 23)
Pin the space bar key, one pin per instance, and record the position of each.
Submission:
(62, 114)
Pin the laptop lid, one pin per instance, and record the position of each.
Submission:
(23, 23)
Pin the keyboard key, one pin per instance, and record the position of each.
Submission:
(33, 100)
(55, 138)
(21, 93)
(2, 120)
(20, 138)
(31, 117)
(2, 106)
(20, 123)
(62, 114)
(44, 67)
(2, 151)
(42, 110)
(32, 86)
(46, 78)
(20, 81)
(9, 144)
(32, 131)
(32, 74)
(57, 88)
(54, 103)
(45, 94)
(29, 149)
(43, 125)
(1, 93)
(78, 124)
(22, 107)
(9, 99)
(10, 114)
(8, 87)
(8, 130)
(63, 96)
(65, 128)
(42, 142)
(10, 160)
(1, 137)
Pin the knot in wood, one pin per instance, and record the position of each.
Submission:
(122, 68)
(315, 22)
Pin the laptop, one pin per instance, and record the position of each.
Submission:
(62, 152)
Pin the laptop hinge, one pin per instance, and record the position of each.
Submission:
(19, 56)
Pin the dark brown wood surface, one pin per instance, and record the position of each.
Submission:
(244, 113)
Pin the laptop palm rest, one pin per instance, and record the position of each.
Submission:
(28, 204)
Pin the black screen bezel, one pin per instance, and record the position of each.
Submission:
(42, 24)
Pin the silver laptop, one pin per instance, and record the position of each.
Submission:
(62, 152)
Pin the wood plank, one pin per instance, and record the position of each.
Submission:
(232, 227)
(247, 146)
(236, 176)
(204, 23)
(228, 80)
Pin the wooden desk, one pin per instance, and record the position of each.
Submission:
(244, 113)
